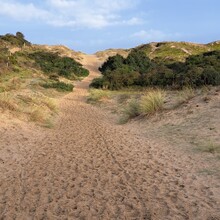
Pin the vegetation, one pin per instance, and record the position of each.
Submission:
(27, 72)
(97, 94)
(138, 70)
(209, 147)
(152, 102)
(132, 110)
(51, 63)
(60, 86)
(15, 40)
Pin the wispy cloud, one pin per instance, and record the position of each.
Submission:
(22, 11)
(73, 13)
(153, 35)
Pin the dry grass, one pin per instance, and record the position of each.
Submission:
(209, 147)
(29, 105)
(6, 102)
(97, 94)
(133, 109)
(37, 115)
(50, 103)
(152, 102)
(185, 95)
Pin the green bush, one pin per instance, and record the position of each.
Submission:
(60, 86)
(63, 66)
(97, 83)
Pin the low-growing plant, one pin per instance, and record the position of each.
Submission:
(209, 147)
(50, 103)
(186, 94)
(37, 115)
(48, 123)
(60, 86)
(122, 98)
(6, 103)
(97, 94)
(152, 102)
(133, 109)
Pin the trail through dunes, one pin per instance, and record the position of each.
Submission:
(87, 167)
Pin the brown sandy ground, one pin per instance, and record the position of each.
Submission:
(88, 167)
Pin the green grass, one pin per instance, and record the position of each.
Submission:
(59, 86)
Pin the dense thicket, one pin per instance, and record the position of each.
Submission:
(52, 63)
(138, 69)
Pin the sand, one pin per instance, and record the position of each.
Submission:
(88, 167)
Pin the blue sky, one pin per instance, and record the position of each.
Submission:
(93, 25)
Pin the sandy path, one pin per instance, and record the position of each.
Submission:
(89, 168)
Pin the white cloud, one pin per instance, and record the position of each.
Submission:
(96, 14)
(155, 35)
(22, 12)
(72, 13)
(151, 35)
(133, 21)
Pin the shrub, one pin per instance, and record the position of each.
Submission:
(152, 102)
(97, 83)
(60, 86)
(112, 63)
(63, 66)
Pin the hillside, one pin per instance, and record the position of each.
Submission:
(166, 64)
(62, 50)
(167, 51)
(176, 51)
(33, 76)
(89, 167)
(103, 55)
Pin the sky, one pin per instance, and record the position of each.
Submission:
(94, 25)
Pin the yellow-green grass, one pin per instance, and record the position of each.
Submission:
(152, 102)
(96, 95)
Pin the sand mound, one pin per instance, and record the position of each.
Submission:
(89, 168)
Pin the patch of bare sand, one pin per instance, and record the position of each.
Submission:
(87, 167)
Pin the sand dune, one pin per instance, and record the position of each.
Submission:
(87, 167)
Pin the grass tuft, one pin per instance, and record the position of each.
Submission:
(152, 102)
(133, 109)
(97, 94)
(185, 95)
(50, 103)
(6, 103)
(37, 115)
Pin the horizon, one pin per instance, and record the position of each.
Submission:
(116, 24)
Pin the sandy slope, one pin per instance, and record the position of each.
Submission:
(89, 168)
